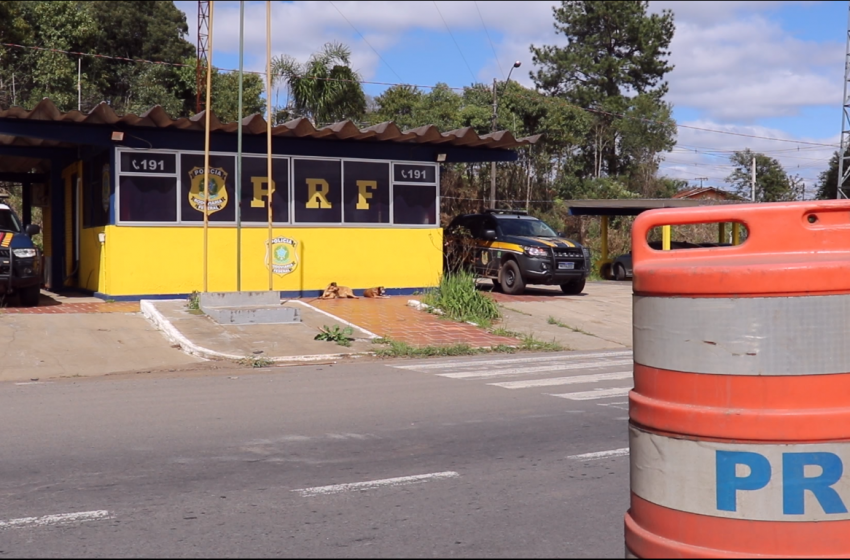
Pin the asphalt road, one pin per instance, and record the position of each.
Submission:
(494, 457)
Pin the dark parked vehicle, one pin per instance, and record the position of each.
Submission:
(515, 249)
(20, 259)
(621, 266)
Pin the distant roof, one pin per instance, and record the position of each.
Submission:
(156, 117)
(697, 191)
(633, 206)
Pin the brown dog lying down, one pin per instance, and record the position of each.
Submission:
(333, 292)
(378, 292)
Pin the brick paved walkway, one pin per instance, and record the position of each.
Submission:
(87, 307)
(393, 318)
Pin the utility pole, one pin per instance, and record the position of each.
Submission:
(701, 179)
(517, 64)
(493, 163)
(753, 180)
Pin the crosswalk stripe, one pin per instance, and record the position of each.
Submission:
(564, 380)
(476, 363)
(523, 370)
(622, 452)
(596, 394)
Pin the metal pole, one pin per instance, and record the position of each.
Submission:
(79, 84)
(270, 183)
(753, 180)
(845, 122)
(493, 163)
(207, 108)
(239, 152)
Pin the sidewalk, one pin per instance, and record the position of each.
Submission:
(369, 319)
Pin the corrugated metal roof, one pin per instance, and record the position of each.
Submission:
(255, 124)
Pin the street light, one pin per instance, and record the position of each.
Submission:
(517, 64)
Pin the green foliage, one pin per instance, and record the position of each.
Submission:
(614, 61)
(459, 299)
(325, 89)
(341, 336)
(194, 301)
(827, 185)
(773, 184)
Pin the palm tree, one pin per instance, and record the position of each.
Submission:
(324, 89)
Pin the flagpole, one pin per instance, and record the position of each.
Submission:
(270, 183)
(207, 146)
(239, 152)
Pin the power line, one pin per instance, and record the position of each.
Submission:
(484, 25)
(455, 40)
(367, 42)
(542, 98)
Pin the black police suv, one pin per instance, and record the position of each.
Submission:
(515, 249)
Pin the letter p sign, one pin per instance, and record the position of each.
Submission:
(728, 481)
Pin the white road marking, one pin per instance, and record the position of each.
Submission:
(623, 451)
(564, 380)
(524, 370)
(468, 363)
(596, 394)
(35, 383)
(371, 484)
(58, 519)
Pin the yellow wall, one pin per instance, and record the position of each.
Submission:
(90, 260)
(169, 260)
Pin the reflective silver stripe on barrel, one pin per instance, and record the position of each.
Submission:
(805, 335)
(752, 481)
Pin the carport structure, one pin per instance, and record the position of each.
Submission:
(634, 206)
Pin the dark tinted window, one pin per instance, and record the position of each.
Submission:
(8, 222)
(525, 227)
(221, 206)
(366, 192)
(318, 191)
(414, 204)
(148, 199)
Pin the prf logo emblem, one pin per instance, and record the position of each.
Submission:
(283, 256)
(485, 257)
(217, 190)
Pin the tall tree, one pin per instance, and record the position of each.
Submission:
(146, 30)
(324, 89)
(615, 52)
(773, 184)
(827, 185)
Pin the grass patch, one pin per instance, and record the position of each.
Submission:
(194, 301)
(256, 361)
(554, 321)
(459, 299)
(397, 349)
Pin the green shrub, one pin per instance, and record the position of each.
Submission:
(459, 299)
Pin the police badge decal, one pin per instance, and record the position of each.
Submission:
(217, 190)
(283, 256)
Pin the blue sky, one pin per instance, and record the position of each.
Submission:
(763, 75)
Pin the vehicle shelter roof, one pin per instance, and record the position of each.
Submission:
(634, 206)
(254, 125)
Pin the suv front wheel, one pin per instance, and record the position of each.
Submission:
(511, 278)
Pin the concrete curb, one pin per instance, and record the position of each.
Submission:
(161, 323)
(368, 334)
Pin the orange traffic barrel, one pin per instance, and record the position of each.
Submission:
(739, 420)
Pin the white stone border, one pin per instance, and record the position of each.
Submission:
(161, 323)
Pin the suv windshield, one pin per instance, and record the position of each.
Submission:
(525, 227)
(8, 221)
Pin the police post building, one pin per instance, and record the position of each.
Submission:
(122, 201)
